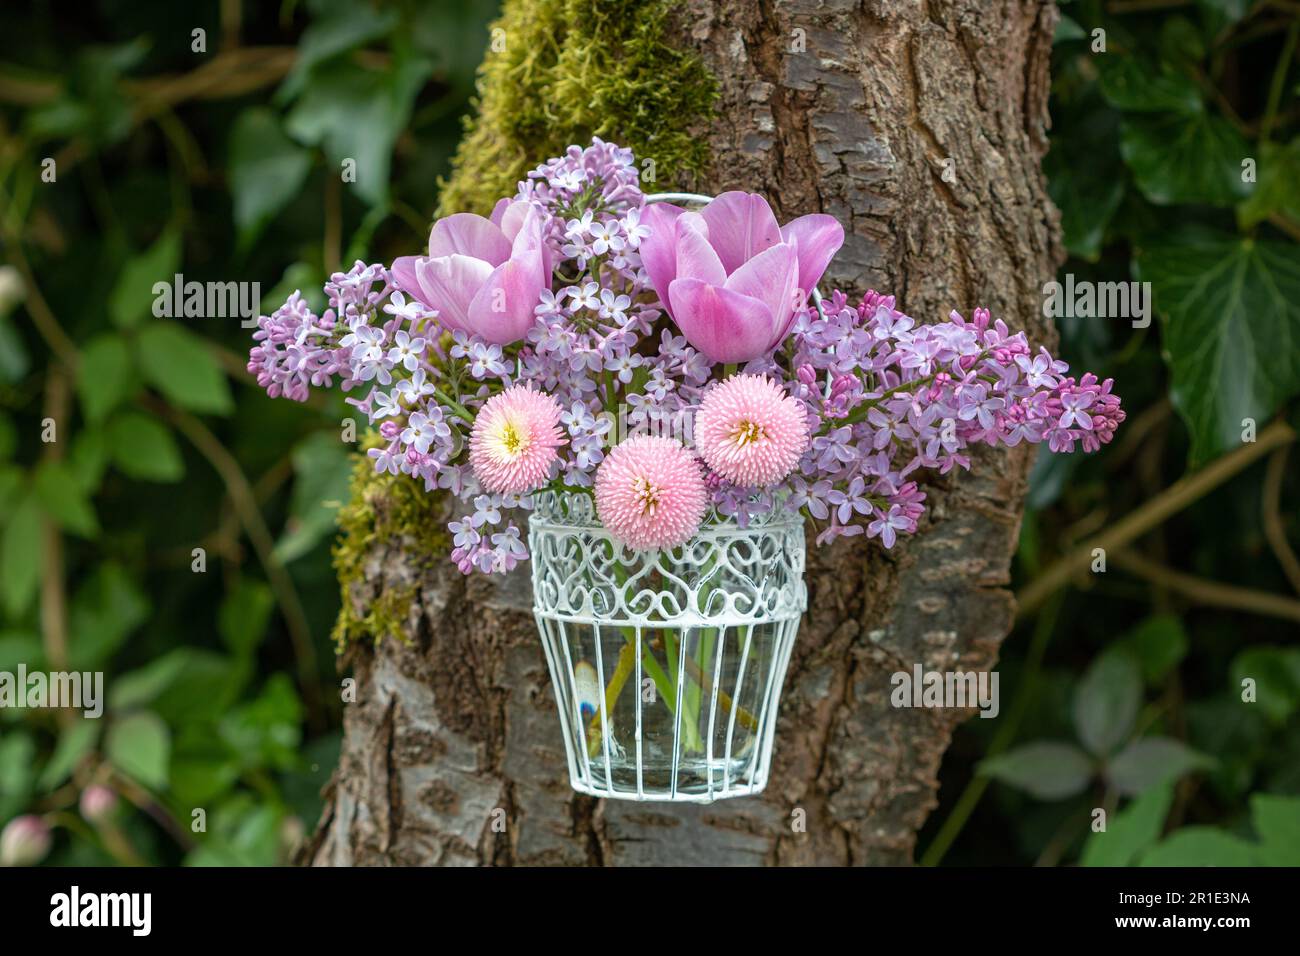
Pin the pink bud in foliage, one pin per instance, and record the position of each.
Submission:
(24, 842)
(97, 803)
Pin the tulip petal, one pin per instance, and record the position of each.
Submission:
(725, 325)
(819, 238)
(449, 284)
(403, 271)
(696, 258)
(770, 277)
(526, 223)
(741, 225)
(502, 311)
(659, 249)
(510, 215)
(469, 235)
(499, 210)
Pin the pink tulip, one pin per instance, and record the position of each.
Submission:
(483, 276)
(730, 277)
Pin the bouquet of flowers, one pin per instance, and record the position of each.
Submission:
(675, 365)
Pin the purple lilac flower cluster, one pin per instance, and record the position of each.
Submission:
(579, 311)
(887, 397)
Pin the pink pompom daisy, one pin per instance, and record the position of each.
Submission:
(750, 431)
(514, 440)
(650, 493)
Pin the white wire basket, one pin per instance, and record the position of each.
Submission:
(667, 665)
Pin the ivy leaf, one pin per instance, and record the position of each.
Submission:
(1146, 84)
(1232, 338)
(1106, 702)
(1130, 831)
(18, 564)
(266, 731)
(17, 755)
(1159, 643)
(1275, 672)
(104, 612)
(143, 447)
(244, 615)
(1047, 770)
(1185, 158)
(1278, 187)
(1202, 846)
(266, 170)
(140, 746)
(93, 104)
(104, 377)
(1181, 41)
(321, 475)
(89, 458)
(1277, 821)
(344, 28)
(179, 364)
(132, 297)
(1151, 762)
(64, 499)
(75, 741)
(1086, 193)
(355, 114)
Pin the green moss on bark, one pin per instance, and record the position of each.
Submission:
(566, 70)
(382, 508)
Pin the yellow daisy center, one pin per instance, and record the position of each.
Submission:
(647, 493)
(745, 433)
(508, 441)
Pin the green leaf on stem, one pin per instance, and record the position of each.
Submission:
(140, 747)
(1106, 702)
(1129, 831)
(63, 498)
(19, 556)
(178, 363)
(1231, 305)
(104, 376)
(1159, 644)
(1273, 674)
(1047, 770)
(267, 169)
(132, 298)
(1277, 821)
(1202, 846)
(1152, 762)
(1185, 158)
(142, 447)
(1140, 83)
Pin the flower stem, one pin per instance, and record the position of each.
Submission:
(460, 410)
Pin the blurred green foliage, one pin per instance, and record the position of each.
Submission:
(224, 165)
(222, 156)
(1175, 135)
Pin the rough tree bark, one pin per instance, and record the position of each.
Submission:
(457, 730)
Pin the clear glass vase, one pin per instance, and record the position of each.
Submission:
(667, 666)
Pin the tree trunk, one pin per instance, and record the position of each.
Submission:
(920, 126)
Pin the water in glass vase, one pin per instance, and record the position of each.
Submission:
(681, 709)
